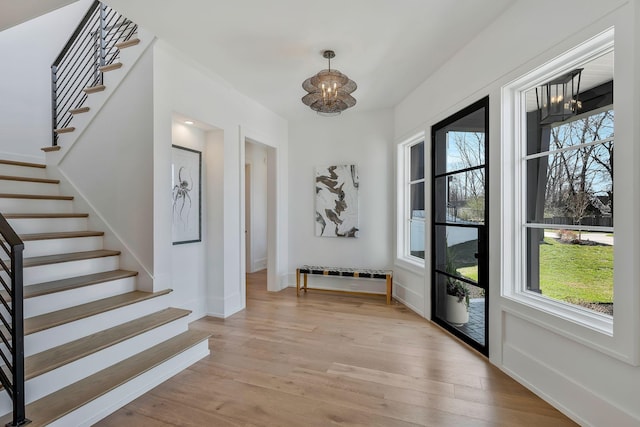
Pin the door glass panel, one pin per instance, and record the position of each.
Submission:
(459, 198)
(461, 144)
(458, 257)
(462, 306)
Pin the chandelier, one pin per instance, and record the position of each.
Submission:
(329, 90)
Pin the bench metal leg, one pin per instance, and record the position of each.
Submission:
(305, 283)
(297, 282)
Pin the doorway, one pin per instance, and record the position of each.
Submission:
(247, 217)
(256, 207)
(460, 292)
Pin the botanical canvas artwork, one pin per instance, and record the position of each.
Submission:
(185, 193)
(337, 201)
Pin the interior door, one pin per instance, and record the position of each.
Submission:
(460, 292)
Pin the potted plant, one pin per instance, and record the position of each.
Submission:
(457, 298)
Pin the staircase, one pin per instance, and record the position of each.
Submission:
(74, 113)
(92, 341)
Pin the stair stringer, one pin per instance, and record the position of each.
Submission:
(129, 260)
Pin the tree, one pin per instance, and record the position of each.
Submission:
(580, 167)
(466, 190)
(577, 205)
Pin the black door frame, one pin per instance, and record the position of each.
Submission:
(483, 230)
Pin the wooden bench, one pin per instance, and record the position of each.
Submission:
(343, 272)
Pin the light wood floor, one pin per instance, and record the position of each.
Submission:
(324, 360)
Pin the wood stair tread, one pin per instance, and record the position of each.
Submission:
(64, 130)
(64, 401)
(59, 235)
(72, 256)
(44, 215)
(71, 314)
(25, 164)
(127, 43)
(51, 148)
(79, 110)
(94, 89)
(61, 285)
(61, 355)
(29, 179)
(34, 196)
(110, 67)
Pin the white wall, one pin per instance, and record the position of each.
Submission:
(361, 138)
(589, 386)
(189, 271)
(27, 51)
(256, 156)
(180, 85)
(111, 167)
(214, 226)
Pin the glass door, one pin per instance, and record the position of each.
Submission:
(460, 295)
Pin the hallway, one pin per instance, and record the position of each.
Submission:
(327, 359)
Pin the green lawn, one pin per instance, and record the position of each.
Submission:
(576, 273)
(469, 272)
(571, 273)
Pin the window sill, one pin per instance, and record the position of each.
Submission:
(591, 329)
(592, 320)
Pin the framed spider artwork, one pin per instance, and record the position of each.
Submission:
(186, 172)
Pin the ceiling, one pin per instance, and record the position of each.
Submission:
(266, 49)
(13, 12)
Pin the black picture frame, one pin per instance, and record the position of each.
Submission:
(186, 195)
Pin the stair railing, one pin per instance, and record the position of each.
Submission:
(92, 45)
(12, 318)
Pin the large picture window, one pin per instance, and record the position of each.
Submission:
(558, 190)
(568, 199)
(569, 208)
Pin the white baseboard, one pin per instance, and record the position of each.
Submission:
(259, 264)
(223, 307)
(408, 297)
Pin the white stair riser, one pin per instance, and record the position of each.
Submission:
(45, 384)
(47, 225)
(64, 270)
(35, 206)
(36, 248)
(28, 172)
(53, 337)
(60, 300)
(99, 408)
(27, 187)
